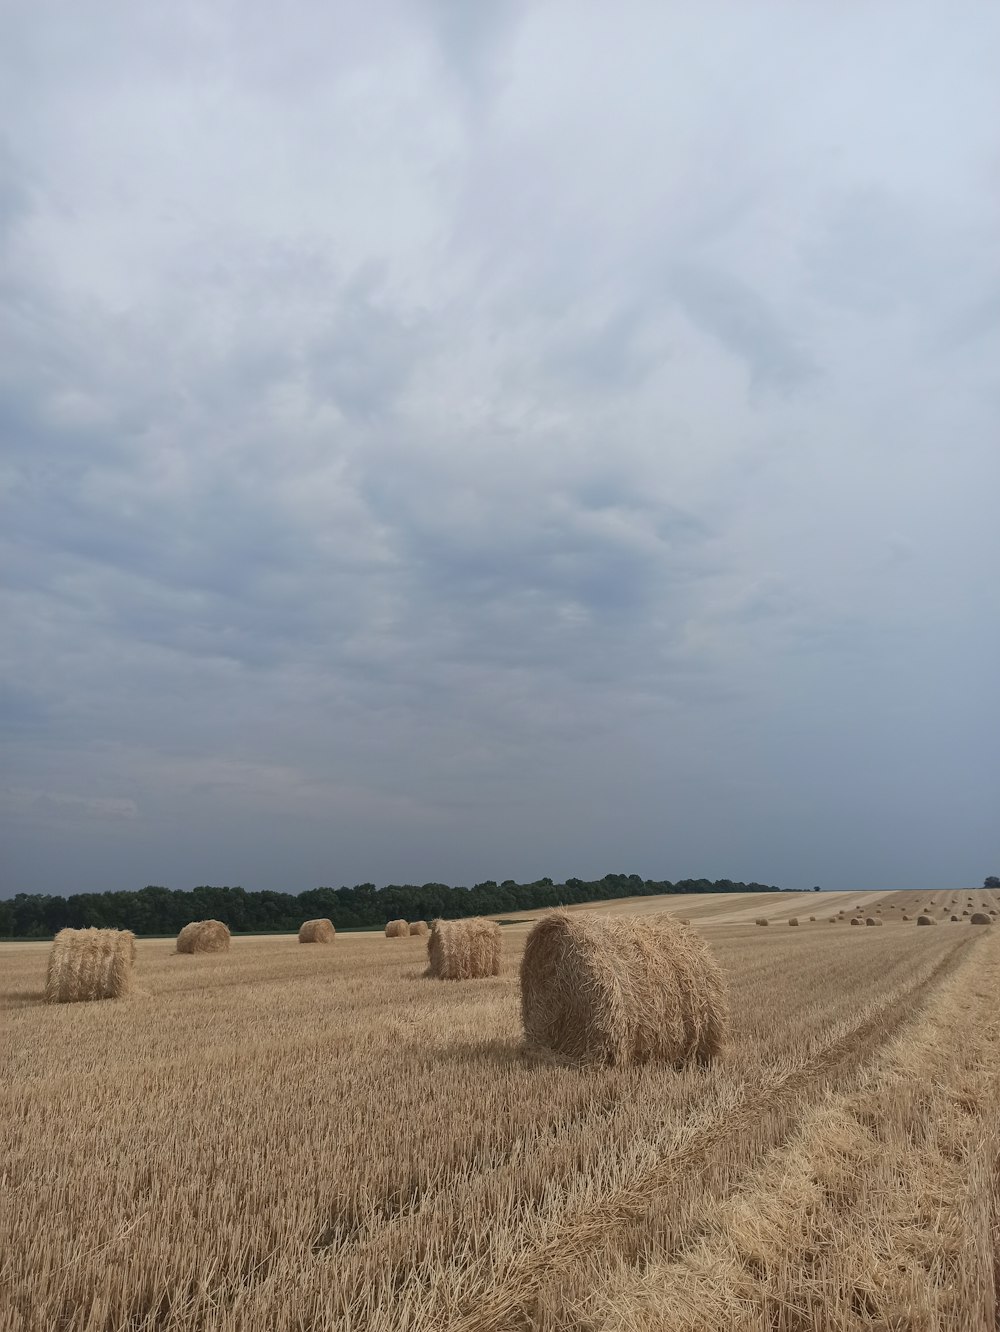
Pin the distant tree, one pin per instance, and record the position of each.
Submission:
(816, 889)
(991, 881)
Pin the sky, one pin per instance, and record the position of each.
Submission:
(447, 442)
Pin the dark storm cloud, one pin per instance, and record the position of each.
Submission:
(445, 443)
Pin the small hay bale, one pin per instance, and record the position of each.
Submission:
(203, 936)
(870, 920)
(317, 931)
(905, 916)
(812, 917)
(924, 920)
(397, 929)
(980, 918)
(964, 913)
(957, 918)
(621, 990)
(464, 949)
(762, 920)
(793, 920)
(833, 920)
(855, 920)
(90, 964)
(419, 927)
(684, 920)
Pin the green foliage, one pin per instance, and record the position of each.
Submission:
(991, 881)
(156, 910)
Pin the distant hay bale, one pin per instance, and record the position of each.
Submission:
(762, 920)
(684, 920)
(621, 990)
(924, 920)
(203, 936)
(905, 916)
(812, 917)
(957, 918)
(317, 931)
(419, 927)
(980, 918)
(464, 949)
(793, 920)
(855, 920)
(964, 912)
(833, 920)
(90, 964)
(870, 920)
(397, 929)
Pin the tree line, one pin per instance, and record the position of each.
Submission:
(157, 910)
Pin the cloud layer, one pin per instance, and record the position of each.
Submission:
(455, 444)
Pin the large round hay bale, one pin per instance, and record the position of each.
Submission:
(203, 936)
(621, 990)
(925, 920)
(419, 927)
(762, 920)
(855, 920)
(89, 964)
(980, 918)
(397, 929)
(464, 949)
(317, 931)
(793, 920)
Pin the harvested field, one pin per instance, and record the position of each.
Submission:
(840, 1156)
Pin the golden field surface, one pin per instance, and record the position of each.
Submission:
(289, 1137)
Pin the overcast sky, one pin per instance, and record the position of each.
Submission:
(455, 441)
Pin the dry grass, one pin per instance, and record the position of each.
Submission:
(834, 1170)
(90, 964)
(467, 949)
(203, 936)
(317, 931)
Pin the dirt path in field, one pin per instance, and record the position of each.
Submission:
(621, 1228)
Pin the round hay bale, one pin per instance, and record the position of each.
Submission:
(397, 929)
(203, 936)
(833, 920)
(90, 964)
(905, 916)
(762, 920)
(924, 920)
(621, 990)
(855, 920)
(980, 918)
(793, 920)
(812, 917)
(956, 919)
(419, 927)
(317, 931)
(870, 920)
(464, 949)
(964, 913)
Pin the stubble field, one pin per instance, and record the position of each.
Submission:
(316, 1137)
